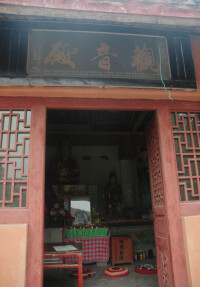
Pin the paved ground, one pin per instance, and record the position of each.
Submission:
(61, 278)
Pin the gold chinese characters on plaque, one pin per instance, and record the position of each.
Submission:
(78, 54)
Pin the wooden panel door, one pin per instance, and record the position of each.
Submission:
(163, 253)
(22, 167)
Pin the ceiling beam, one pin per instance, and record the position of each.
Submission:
(111, 133)
(139, 121)
(174, 17)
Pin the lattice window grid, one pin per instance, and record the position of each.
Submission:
(14, 149)
(186, 134)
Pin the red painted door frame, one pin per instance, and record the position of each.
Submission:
(165, 202)
(36, 197)
(161, 232)
(172, 198)
(34, 214)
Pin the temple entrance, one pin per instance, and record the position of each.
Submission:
(101, 157)
(29, 210)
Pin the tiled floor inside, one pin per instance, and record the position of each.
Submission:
(61, 278)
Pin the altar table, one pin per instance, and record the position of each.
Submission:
(95, 248)
(58, 259)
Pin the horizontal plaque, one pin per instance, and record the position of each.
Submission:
(78, 54)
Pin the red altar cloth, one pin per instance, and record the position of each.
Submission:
(95, 249)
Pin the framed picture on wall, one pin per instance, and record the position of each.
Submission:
(80, 208)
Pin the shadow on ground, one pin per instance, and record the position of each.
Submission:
(61, 278)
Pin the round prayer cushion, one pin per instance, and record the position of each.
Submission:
(87, 273)
(115, 272)
(146, 269)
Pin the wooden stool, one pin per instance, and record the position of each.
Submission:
(121, 249)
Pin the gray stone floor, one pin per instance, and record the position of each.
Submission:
(61, 278)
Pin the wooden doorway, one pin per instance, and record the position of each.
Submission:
(22, 183)
(172, 257)
(163, 252)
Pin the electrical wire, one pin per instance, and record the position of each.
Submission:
(161, 76)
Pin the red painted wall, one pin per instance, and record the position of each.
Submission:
(148, 7)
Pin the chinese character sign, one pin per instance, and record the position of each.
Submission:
(103, 56)
(143, 59)
(76, 54)
(61, 53)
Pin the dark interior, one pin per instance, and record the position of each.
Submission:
(94, 146)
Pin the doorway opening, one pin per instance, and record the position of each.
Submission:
(99, 158)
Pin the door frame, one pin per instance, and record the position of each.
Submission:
(34, 216)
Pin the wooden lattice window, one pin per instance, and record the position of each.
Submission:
(14, 149)
(186, 133)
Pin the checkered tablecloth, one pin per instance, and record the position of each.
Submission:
(95, 249)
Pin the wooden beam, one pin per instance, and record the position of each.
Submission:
(93, 133)
(100, 93)
(117, 11)
(138, 121)
(190, 209)
(14, 216)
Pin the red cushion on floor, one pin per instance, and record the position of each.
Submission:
(87, 273)
(115, 272)
(146, 269)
